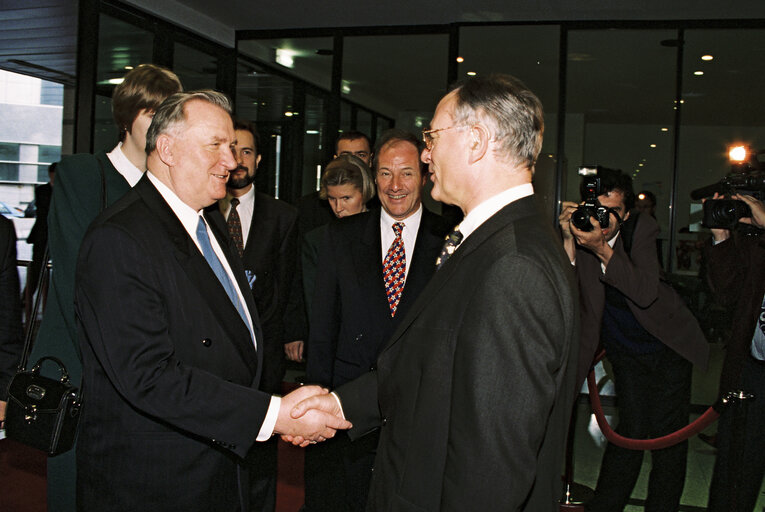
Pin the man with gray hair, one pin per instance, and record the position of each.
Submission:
(170, 337)
(475, 386)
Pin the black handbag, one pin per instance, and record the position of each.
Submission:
(42, 413)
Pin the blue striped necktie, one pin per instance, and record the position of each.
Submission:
(220, 272)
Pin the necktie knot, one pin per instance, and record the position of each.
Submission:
(398, 227)
(234, 202)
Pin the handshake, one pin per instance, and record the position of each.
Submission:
(309, 415)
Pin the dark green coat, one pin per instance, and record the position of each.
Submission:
(77, 200)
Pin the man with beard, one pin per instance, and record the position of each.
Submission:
(264, 230)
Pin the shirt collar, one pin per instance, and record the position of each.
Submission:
(489, 207)
(125, 167)
(185, 213)
(412, 221)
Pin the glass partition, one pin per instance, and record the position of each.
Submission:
(307, 58)
(620, 110)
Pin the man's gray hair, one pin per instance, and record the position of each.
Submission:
(170, 112)
(511, 110)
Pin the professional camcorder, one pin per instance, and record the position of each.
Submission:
(590, 189)
(747, 177)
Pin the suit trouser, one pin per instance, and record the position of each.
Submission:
(338, 473)
(653, 396)
(750, 440)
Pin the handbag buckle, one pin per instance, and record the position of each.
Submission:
(35, 392)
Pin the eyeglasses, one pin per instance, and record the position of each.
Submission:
(429, 140)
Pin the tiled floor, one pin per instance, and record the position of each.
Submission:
(701, 457)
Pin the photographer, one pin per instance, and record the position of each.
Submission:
(649, 335)
(736, 274)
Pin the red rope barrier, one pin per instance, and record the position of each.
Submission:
(702, 422)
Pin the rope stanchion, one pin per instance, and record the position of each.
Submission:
(702, 422)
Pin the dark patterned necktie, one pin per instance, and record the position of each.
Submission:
(453, 240)
(394, 269)
(235, 227)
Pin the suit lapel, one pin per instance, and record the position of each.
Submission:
(199, 272)
(367, 260)
(442, 276)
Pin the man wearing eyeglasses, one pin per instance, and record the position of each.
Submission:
(373, 267)
(474, 390)
(650, 338)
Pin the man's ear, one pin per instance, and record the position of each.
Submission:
(257, 161)
(165, 149)
(479, 142)
(626, 216)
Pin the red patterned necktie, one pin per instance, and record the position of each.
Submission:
(394, 269)
(235, 227)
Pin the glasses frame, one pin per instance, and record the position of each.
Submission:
(429, 140)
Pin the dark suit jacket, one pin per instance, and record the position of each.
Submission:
(736, 275)
(656, 306)
(350, 316)
(169, 369)
(270, 260)
(11, 340)
(475, 387)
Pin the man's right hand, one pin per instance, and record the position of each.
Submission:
(317, 424)
(327, 403)
(564, 220)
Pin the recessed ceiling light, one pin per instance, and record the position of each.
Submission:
(128, 67)
(698, 73)
(460, 59)
(707, 57)
(471, 73)
(653, 145)
(665, 129)
(288, 114)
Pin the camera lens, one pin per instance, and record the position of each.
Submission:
(581, 218)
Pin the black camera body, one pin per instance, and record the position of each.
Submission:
(590, 189)
(746, 179)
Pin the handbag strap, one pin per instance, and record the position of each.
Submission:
(29, 330)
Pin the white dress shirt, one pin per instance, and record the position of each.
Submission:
(190, 219)
(408, 234)
(489, 207)
(124, 166)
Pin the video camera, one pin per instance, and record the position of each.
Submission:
(747, 176)
(590, 189)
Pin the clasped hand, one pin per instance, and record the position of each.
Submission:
(314, 423)
(322, 404)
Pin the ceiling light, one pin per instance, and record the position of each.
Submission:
(665, 129)
(707, 57)
(285, 57)
(128, 67)
(460, 59)
(653, 145)
(471, 73)
(698, 73)
(116, 81)
(288, 114)
(312, 132)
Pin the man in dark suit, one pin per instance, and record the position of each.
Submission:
(38, 237)
(264, 231)
(650, 337)
(170, 337)
(11, 340)
(736, 273)
(475, 387)
(357, 305)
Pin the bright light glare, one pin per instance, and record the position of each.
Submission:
(285, 57)
(737, 154)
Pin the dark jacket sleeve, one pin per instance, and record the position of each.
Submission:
(11, 339)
